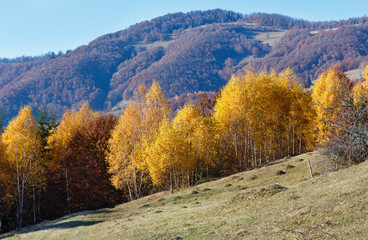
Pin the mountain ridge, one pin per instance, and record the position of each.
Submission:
(185, 53)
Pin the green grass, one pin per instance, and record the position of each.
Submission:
(257, 204)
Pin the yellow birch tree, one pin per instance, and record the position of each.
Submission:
(163, 162)
(259, 116)
(130, 140)
(330, 88)
(23, 150)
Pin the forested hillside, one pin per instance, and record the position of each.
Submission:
(309, 53)
(184, 53)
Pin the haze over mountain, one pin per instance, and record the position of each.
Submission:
(185, 53)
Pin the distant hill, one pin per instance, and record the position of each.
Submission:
(185, 53)
(256, 204)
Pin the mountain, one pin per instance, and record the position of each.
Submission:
(256, 204)
(185, 53)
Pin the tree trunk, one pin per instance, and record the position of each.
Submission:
(21, 205)
(1, 230)
(245, 162)
(236, 151)
(39, 205)
(135, 189)
(255, 153)
(140, 185)
(171, 183)
(18, 197)
(288, 143)
(34, 205)
(171, 175)
(293, 139)
(129, 190)
(67, 191)
(20, 191)
(241, 154)
(207, 157)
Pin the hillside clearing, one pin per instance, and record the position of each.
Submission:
(154, 44)
(324, 30)
(355, 74)
(269, 37)
(257, 204)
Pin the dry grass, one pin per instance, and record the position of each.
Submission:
(242, 206)
(270, 37)
(324, 30)
(355, 74)
(165, 43)
(267, 37)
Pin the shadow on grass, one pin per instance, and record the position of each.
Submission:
(52, 225)
(61, 223)
(85, 213)
(65, 225)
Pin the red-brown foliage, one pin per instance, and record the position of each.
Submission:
(89, 183)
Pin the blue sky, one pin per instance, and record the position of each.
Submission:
(34, 27)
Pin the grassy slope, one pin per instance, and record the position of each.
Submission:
(247, 205)
(355, 74)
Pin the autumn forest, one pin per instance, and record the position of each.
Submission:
(91, 160)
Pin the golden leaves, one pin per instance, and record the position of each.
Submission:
(132, 136)
(263, 116)
(327, 92)
(181, 147)
(22, 139)
(62, 135)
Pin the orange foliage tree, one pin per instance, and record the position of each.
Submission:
(58, 142)
(89, 182)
